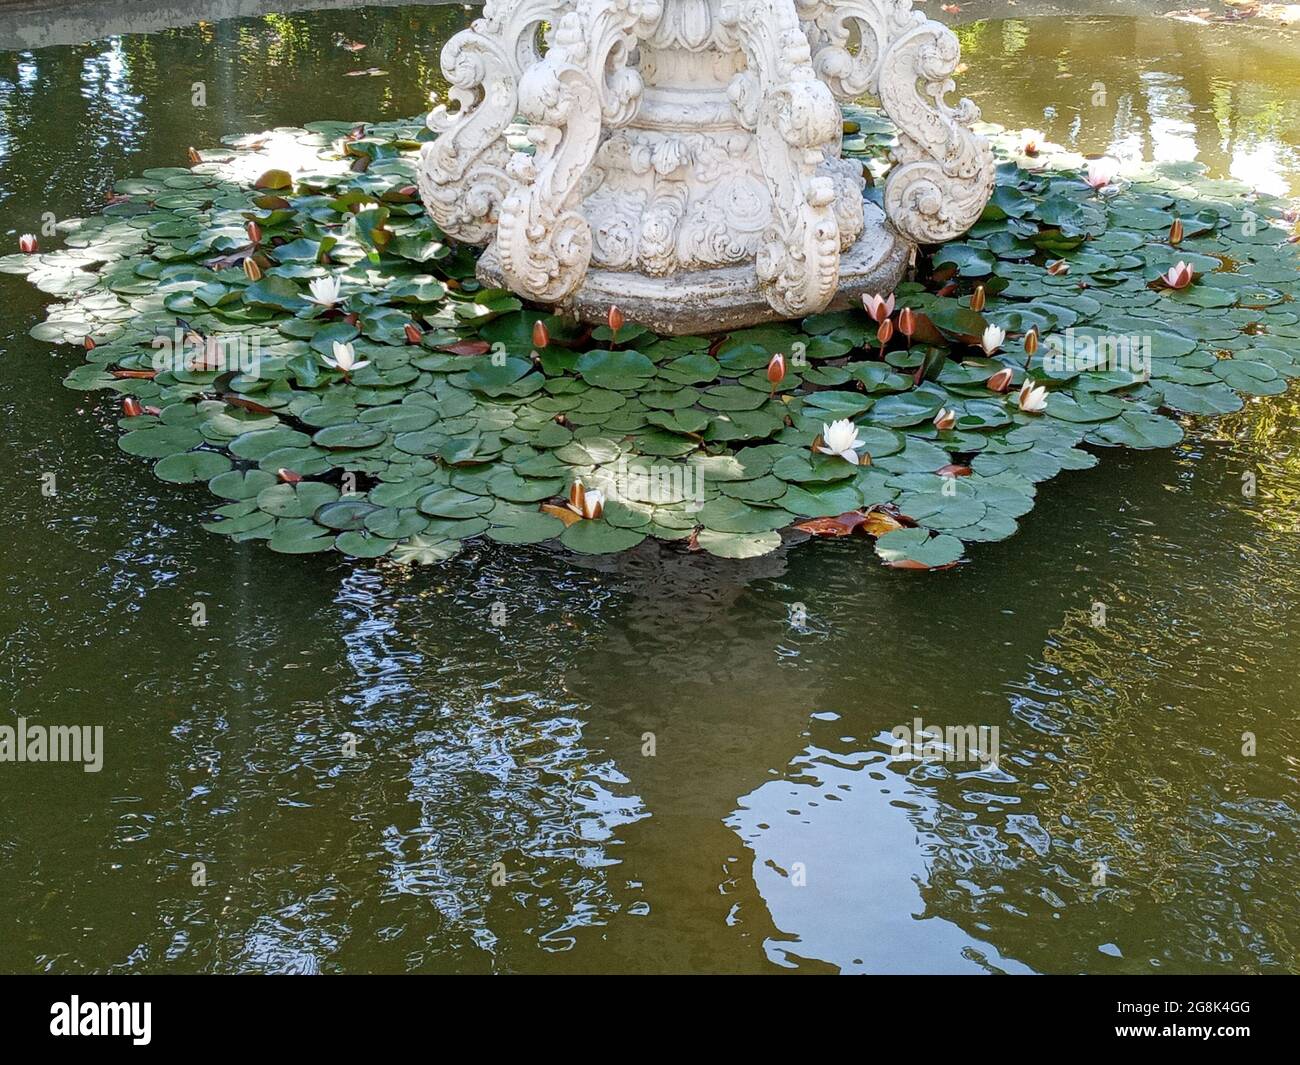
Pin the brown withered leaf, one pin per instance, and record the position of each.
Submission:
(563, 513)
(245, 404)
(274, 179)
(879, 522)
(467, 347)
(841, 525)
(926, 332)
(234, 258)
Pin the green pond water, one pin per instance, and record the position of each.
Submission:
(502, 706)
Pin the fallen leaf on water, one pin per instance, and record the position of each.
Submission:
(880, 521)
(842, 525)
(911, 563)
(274, 179)
(563, 513)
(467, 347)
(246, 404)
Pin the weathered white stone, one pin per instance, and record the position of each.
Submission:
(687, 154)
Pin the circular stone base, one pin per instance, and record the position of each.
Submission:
(710, 301)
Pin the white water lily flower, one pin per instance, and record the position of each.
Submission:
(1101, 172)
(841, 438)
(325, 291)
(992, 339)
(345, 358)
(593, 504)
(1032, 398)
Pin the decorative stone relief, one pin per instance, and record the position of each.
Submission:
(698, 141)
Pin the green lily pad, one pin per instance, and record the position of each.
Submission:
(422, 551)
(599, 538)
(738, 545)
(916, 548)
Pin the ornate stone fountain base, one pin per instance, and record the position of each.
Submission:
(706, 301)
(686, 154)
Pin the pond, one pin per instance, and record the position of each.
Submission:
(674, 763)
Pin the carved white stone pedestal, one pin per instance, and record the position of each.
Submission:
(687, 154)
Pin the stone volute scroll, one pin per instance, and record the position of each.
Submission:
(686, 160)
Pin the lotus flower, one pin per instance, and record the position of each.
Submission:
(28, 245)
(288, 476)
(1179, 275)
(1031, 341)
(541, 336)
(325, 291)
(878, 307)
(132, 407)
(413, 334)
(614, 319)
(1000, 381)
(1176, 232)
(251, 270)
(776, 370)
(840, 438)
(885, 332)
(1032, 398)
(977, 299)
(1101, 172)
(1059, 267)
(992, 339)
(946, 419)
(254, 232)
(345, 359)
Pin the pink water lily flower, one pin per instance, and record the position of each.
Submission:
(1101, 172)
(878, 306)
(1179, 275)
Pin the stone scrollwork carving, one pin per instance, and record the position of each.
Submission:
(943, 173)
(581, 85)
(462, 174)
(686, 156)
(793, 116)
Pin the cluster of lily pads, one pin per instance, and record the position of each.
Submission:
(285, 325)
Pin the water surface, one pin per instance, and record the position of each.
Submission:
(503, 707)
